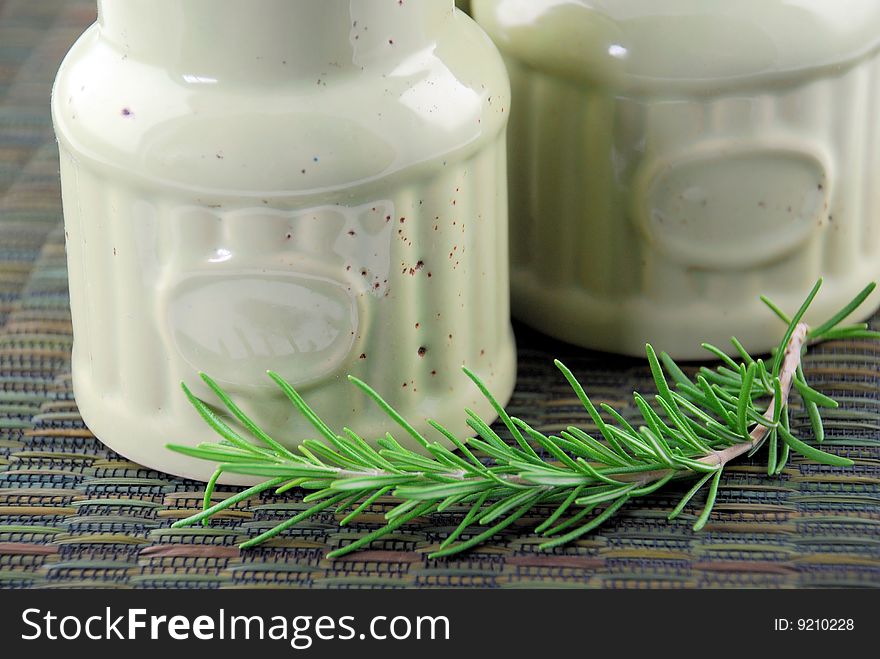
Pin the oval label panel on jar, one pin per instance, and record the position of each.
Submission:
(235, 326)
(733, 209)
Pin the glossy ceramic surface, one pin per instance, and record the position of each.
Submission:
(670, 160)
(312, 188)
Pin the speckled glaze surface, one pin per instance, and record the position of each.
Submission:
(670, 160)
(316, 188)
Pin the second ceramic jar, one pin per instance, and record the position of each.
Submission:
(671, 160)
(316, 188)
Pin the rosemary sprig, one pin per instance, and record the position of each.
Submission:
(693, 430)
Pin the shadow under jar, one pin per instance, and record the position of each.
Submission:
(671, 160)
(316, 188)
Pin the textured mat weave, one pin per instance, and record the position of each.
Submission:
(74, 514)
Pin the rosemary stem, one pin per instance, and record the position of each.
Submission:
(791, 363)
(706, 424)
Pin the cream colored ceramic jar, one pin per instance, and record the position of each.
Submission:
(670, 160)
(316, 188)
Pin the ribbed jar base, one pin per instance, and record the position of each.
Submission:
(640, 218)
(399, 288)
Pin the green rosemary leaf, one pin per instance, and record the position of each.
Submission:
(777, 416)
(785, 451)
(321, 494)
(714, 402)
(503, 506)
(478, 468)
(652, 487)
(502, 413)
(412, 460)
(485, 535)
(660, 451)
(815, 421)
(278, 470)
(655, 430)
(501, 455)
(245, 420)
(296, 519)
(725, 432)
(745, 400)
(694, 465)
(605, 494)
(366, 503)
(841, 315)
(674, 371)
(629, 439)
(551, 479)
(588, 405)
(467, 522)
(461, 446)
(690, 495)
(811, 395)
(658, 375)
(686, 436)
(811, 452)
(783, 458)
(390, 411)
(596, 474)
(348, 448)
(586, 528)
(710, 502)
(490, 436)
(561, 510)
(720, 354)
(450, 459)
(850, 334)
(740, 348)
(363, 482)
(571, 521)
(209, 492)
(402, 508)
(350, 501)
(772, 452)
(302, 407)
(215, 453)
(228, 502)
(764, 376)
(547, 442)
(692, 409)
(810, 404)
(716, 378)
(328, 453)
(593, 447)
(625, 425)
(289, 485)
(367, 452)
(779, 312)
(218, 425)
(385, 530)
(780, 351)
(439, 491)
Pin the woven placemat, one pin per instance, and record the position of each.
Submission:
(74, 514)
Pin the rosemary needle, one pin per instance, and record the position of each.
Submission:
(694, 429)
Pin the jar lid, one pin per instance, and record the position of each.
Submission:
(683, 42)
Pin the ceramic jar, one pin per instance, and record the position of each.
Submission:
(316, 188)
(671, 160)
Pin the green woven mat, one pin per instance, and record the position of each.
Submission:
(73, 513)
